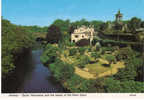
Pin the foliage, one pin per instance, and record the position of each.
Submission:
(125, 53)
(96, 86)
(131, 70)
(110, 59)
(95, 55)
(134, 24)
(83, 60)
(15, 39)
(61, 71)
(115, 86)
(54, 34)
(72, 51)
(36, 29)
(76, 84)
(62, 24)
(81, 50)
(49, 55)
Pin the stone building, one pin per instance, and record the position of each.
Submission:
(83, 32)
(118, 17)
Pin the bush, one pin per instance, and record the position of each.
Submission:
(95, 55)
(72, 51)
(82, 50)
(61, 71)
(83, 60)
(115, 86)
(49, 55)
(76, 84)
(83, 42)
(110, 59)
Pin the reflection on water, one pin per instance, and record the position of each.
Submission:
(30, 76)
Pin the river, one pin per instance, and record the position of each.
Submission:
(31, 76)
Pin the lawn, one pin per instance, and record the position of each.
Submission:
(96, 68)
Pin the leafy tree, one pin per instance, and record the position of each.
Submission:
(134, 23)
(96, 24)
(62, 24)
(54, 34)
(115, 86)
(15, 40)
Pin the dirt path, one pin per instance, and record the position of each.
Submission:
(83, 73)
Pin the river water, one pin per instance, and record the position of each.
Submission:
(31, 76)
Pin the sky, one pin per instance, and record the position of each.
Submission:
(44, 12)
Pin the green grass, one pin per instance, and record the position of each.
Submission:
(97, 68)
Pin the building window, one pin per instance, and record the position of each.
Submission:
(73, 40)
(76, 36)
(82, 36)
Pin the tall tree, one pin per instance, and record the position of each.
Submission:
(54, 34)
(134, 23)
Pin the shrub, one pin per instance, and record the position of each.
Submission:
(49, 55)
(76, 84)
(115, 86)
(110, 59)
(95, 55)
(82, 50)
(72, 51)
(61, 71)
(83, 60)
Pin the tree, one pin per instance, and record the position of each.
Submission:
(54, 34)
(15, 40)
(62, 24)
(134, 24)
(116, 86)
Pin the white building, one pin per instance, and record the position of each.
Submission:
(83, 32)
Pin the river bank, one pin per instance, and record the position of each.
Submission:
(30, 76)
